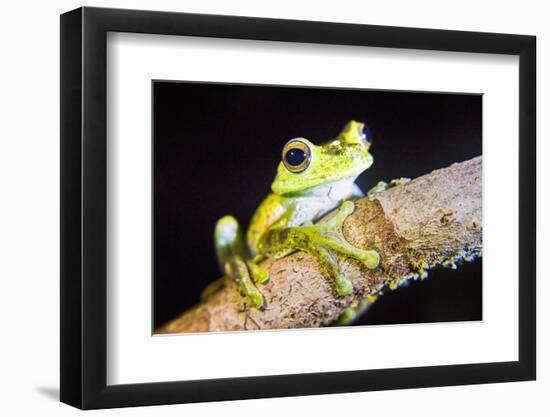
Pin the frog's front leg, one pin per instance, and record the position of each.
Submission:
(235, 263)
(319, 241)
(383, 185)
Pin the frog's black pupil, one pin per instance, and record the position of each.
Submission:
(295, 156)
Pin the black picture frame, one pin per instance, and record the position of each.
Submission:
(84, 207)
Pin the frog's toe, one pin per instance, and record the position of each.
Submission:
(348, 315)
(343, 286)
(345, 211)
(256, 300)
(237, 270)
(399, 181)
(370, 258)
(252, 294)
(378, 188)
(259, 275)
(347, 207)
(341, 215)
(356, 310)
(383, 185)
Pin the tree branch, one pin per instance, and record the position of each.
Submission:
(433, 220)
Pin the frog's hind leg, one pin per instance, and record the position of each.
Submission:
(234, 261)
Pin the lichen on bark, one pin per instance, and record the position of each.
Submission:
(433, 220)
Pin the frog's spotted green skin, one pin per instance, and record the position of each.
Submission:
(311, 180)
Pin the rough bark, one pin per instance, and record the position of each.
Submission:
(431, 221)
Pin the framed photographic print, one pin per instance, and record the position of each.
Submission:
(257, 207)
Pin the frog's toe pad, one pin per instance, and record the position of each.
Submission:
(256, 300)
(347, 207)
(343, 286)
(371, 259)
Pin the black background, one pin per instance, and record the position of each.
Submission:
(216, 148)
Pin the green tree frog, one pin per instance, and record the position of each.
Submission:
(311, 181)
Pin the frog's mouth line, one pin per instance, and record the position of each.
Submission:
(345, 181)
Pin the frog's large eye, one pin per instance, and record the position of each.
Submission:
(296, 156)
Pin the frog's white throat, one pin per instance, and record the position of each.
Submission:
(337, 190)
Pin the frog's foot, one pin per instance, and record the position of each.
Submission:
(383, 185)
(331, 237)
(238, 274)
(241, 272)
(351, 313)
(319, 240)
(378, 188)
(235, 263)
(237, 270)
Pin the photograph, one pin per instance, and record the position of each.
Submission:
(297, 207)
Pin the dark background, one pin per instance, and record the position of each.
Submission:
(216, 149)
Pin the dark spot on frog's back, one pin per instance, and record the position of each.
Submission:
(282, 236)
(333, 150)
(276, 237)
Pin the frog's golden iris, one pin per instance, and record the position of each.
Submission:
(296, 155)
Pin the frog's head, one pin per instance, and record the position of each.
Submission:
(306, 166)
